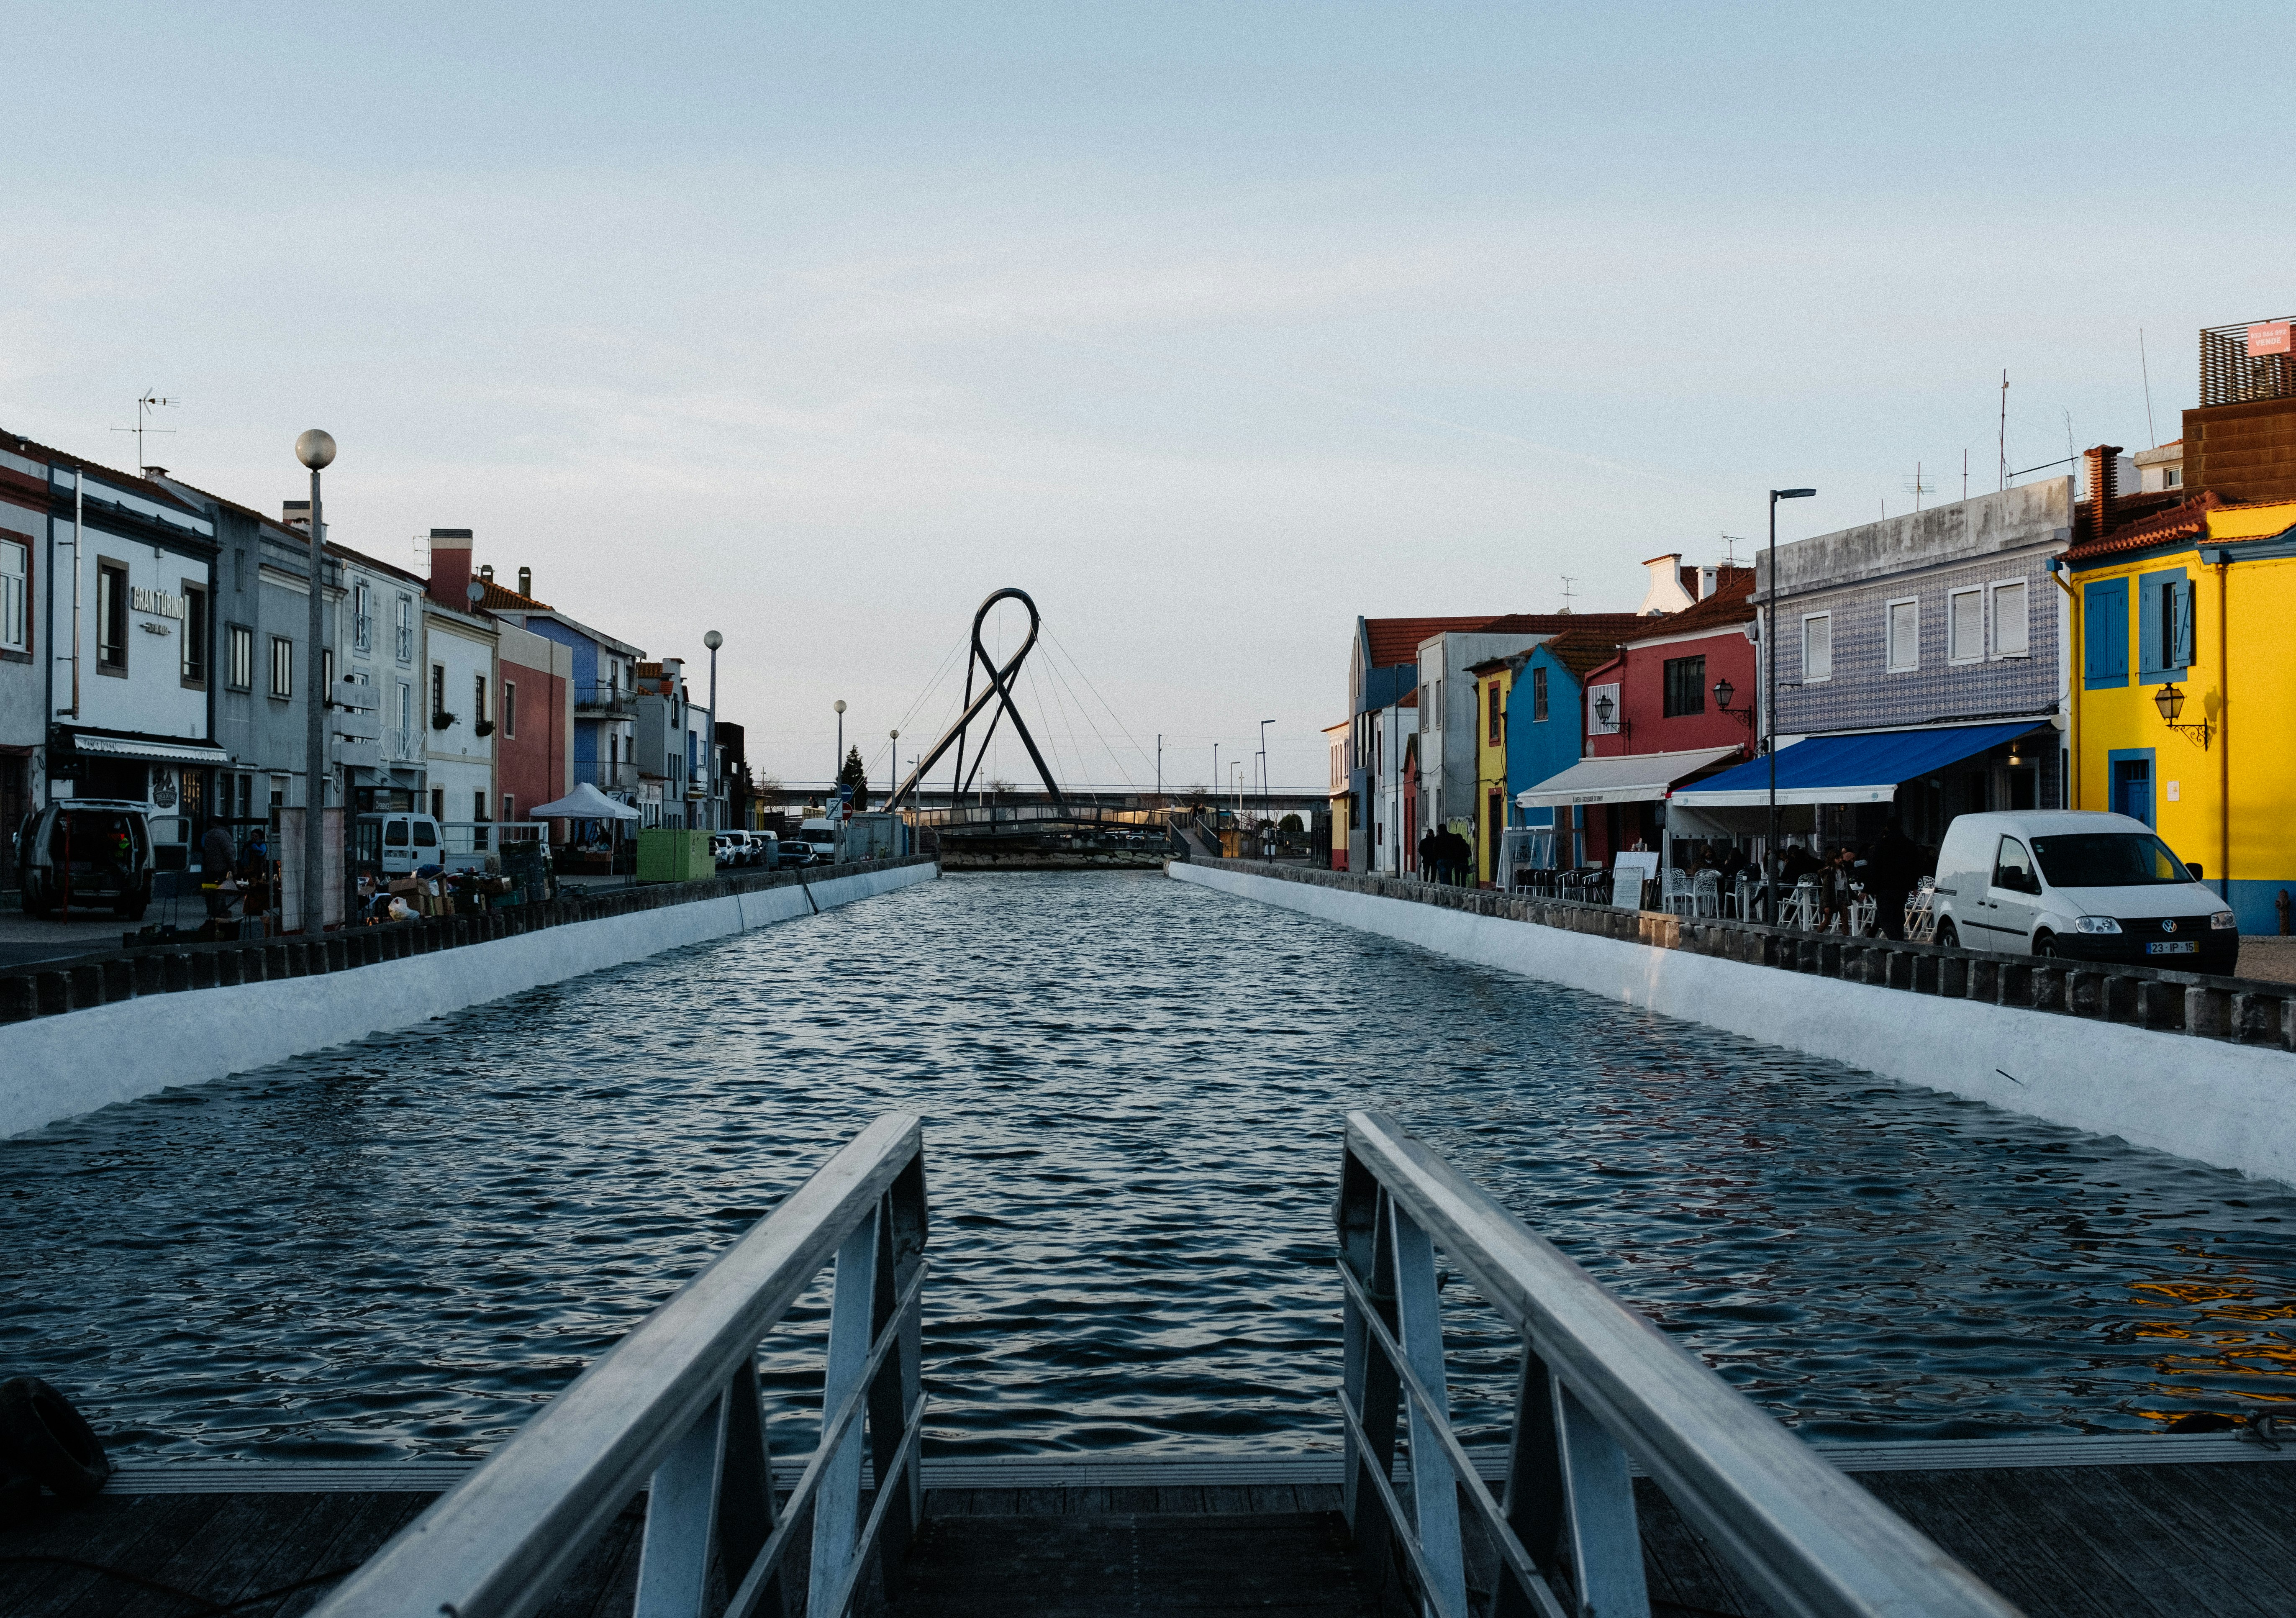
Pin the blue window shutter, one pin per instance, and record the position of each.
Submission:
(2151, 627)
(2180, 615)
(2106, 614)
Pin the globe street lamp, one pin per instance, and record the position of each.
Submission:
(713, 640)
(833, 774)
(316, 449)
(1770, 717)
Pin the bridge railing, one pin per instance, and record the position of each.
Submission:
(1599, 1388)
(677, 1402)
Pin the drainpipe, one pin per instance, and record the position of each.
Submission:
(2223, 735)
(2072, 695)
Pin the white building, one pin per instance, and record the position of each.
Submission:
(459, 694)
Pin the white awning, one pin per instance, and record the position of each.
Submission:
(149, 752)
(1634, 779)
(585, 802)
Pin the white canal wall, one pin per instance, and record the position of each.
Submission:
(62, 1066)
(2232, 1105)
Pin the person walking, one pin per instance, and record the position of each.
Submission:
(214, 871)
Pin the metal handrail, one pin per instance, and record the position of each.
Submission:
(675, 1401)
(1599, 1385)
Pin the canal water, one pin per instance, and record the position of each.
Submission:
(1133, 1092)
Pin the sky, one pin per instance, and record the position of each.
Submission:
(1211, 327)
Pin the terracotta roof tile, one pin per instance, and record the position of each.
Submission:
(1582, 651)
(2186, 518)
(1396, 640)
(499, 595)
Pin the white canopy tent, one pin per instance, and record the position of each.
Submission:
(585, 802)
(1642, 777)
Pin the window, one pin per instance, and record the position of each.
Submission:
(405, 748)
(438, 693)
(1539, 696)
(195, 635)
(394, 834)
(478, 804)
(2012, 633)
(510, 807)
(2012, 868)
(1964, 626)
(1904, 637)
(405, 629)
(1492, 724)
(15, 595)
(239, 569)
(362, 619)
(239, 657)
(478, 699)
(1686, 686)
(2164, 625)
(327, 674)
(437, 812)
(510, 709)
(2104, 634)
(110, 618)
(1816, 647)
(283, 666)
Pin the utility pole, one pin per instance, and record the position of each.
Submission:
(316, 449)
(1160, 769)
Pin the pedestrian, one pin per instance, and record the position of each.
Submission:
(1428, 856)
(214, 871)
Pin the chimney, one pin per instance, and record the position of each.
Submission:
(296, 514)
(1706, 577)
(2104, 475)
(526, 581)
(450, 567)
(1667, 591)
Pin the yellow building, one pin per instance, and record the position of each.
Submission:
(1335, 747)
(2184, 630)
(1493, 679)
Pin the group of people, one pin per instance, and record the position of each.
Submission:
(230, 873)
(1885, 870)
(1446, 858)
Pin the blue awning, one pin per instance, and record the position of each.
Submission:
(1848, 769)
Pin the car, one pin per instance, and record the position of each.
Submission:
(87, 851)
(821, 832)
(729, 848)
(794, 852)
(2079, 885)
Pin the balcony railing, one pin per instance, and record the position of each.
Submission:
(597, 702)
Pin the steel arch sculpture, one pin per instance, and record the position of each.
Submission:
(999, 690)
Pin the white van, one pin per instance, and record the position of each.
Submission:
(2080, 884)
(821, 835)
(398, 842)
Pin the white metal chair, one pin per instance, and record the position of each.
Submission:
(1801, 908)
(1675, 891)
(1921, 912)
(1706, 893)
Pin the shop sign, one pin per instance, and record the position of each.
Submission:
(159, 603)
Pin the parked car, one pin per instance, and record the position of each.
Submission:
(821, 834)
(2081, 885)
(87, 851)
(792, 852)
(727, 848)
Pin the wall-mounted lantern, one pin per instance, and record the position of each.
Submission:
(2171, 700)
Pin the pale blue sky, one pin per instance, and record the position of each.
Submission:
(1211, 327)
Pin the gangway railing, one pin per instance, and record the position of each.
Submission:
(1599, 1388)
(677, 1402)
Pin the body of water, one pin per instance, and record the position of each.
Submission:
(1133, 1092)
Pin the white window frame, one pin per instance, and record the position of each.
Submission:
(1808, 619)
(1993, 617)
(406, 647)
(282, 668)
(1890, 662)
(1954, 655)
(15, 595)
(362, 618)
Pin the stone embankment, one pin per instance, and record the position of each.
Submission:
(2182, 1061)
(82, 1034)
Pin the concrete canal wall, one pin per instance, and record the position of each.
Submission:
(289, 997)
(2210, 1078)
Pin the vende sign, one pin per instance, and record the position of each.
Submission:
(2270, 338)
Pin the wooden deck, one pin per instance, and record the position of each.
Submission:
(2085, 1540)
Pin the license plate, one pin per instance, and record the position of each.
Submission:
(2182, 946)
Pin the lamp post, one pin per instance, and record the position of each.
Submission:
(316, 449)
(713, 640)
(1770, 714)
(839, 706)
(1264, 724)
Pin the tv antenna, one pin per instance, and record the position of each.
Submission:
(146, 402)
(1730, 542)
(1919, 486)
(1567, 582)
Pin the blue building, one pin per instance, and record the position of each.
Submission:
(1545, 722)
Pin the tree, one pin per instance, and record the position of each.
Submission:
(1290, 826)
(854, 774)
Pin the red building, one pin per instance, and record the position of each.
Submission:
(534, 711)
(1684, 688)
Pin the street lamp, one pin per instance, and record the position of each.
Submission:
(2171, 700)
(1723, 692)
(1770, 634)
(1264, 724)
(713, 640)
(316, 449)
(839, 706)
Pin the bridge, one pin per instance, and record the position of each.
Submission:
(1636, 1480)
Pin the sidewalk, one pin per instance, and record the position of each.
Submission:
(23, 939)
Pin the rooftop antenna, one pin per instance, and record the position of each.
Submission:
(1567, 582)
(1730, 549)
(2152, 432)
(1965, 471)
(2005, 431)
(146, 402)
(2071, 453)
(1919, 487)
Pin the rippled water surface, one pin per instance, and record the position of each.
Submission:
(1133, 1092)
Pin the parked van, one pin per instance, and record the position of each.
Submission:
(399, 842)
(87, 851)
(821, 835)
(2081, 885)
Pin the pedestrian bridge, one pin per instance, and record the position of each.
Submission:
(1413, 1525)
